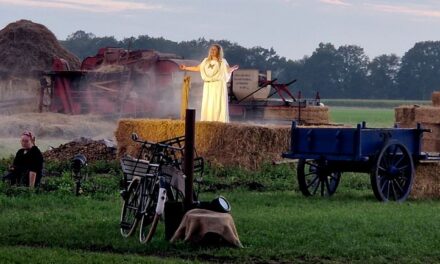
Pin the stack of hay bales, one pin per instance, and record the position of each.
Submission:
(237, 145)
(309, 114)
(427, 180)
(408, 116)
(26, 49)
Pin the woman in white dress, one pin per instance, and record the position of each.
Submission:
(215, 72)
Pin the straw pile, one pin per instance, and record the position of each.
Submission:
(93, 150)
(26, 46)
(309, 114)
(238, 145)
(25, 49)
(427, 181)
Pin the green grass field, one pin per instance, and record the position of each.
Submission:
(275, 222)
(274, 227)
(375, 117)
(371, 103)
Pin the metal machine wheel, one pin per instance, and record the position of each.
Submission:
(393, 175)
(314, 178)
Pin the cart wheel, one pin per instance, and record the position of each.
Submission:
(314, 178)
(393, 175)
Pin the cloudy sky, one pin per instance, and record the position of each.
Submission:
(293, 28)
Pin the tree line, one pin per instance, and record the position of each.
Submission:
(334, 72)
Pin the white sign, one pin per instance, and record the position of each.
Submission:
(245, 82)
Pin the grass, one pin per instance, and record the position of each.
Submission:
(371, 103)
(274, 226)
(42, 255)
(275, 222)
(375, 117)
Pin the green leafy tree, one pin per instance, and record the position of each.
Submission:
(382, 77)
(419, 75)
(321, 72)
(352, 70)
(84, 44)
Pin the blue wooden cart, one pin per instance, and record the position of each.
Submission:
(388, 154)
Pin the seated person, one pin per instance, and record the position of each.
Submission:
(27, 168)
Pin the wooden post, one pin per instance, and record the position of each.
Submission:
(190, 119)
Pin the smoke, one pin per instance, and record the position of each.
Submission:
(57, 126)
(143, 94)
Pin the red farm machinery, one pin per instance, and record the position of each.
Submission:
(147, 83)
(115, 82)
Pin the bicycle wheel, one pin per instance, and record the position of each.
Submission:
(150, 221)
(147, 221)
(130, 209)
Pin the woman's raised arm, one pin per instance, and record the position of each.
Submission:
(189, 68)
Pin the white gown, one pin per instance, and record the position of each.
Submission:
(215, 93)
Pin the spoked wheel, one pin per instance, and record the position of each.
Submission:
(314, 178)
(393, 175)
(130, 209)
(148, 222)
(151, 227)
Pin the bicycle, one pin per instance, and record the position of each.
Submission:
(154, 180)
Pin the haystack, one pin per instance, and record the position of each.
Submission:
(427, 181)
(405, 114)
(26, 47)
(436, 99)
(238, 145)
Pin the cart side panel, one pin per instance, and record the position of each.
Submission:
(323, 141)
(372, 140)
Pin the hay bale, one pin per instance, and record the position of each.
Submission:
(435, 99)
(435, 128)
(405, 114)
(430, 141)
(427, 114)
(238, 145)
(309, 114)
(26, 46)
(430, 145)
(427, 181)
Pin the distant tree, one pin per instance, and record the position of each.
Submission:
(382, 77)
(352, 72)
(321, 72)
(419, 75)
(84, 44)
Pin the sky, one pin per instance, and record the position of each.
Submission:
(294, 28)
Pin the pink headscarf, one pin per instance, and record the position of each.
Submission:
(30, 135)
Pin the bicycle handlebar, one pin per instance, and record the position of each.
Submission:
(135, 138)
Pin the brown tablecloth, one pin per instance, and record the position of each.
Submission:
(198, 224)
